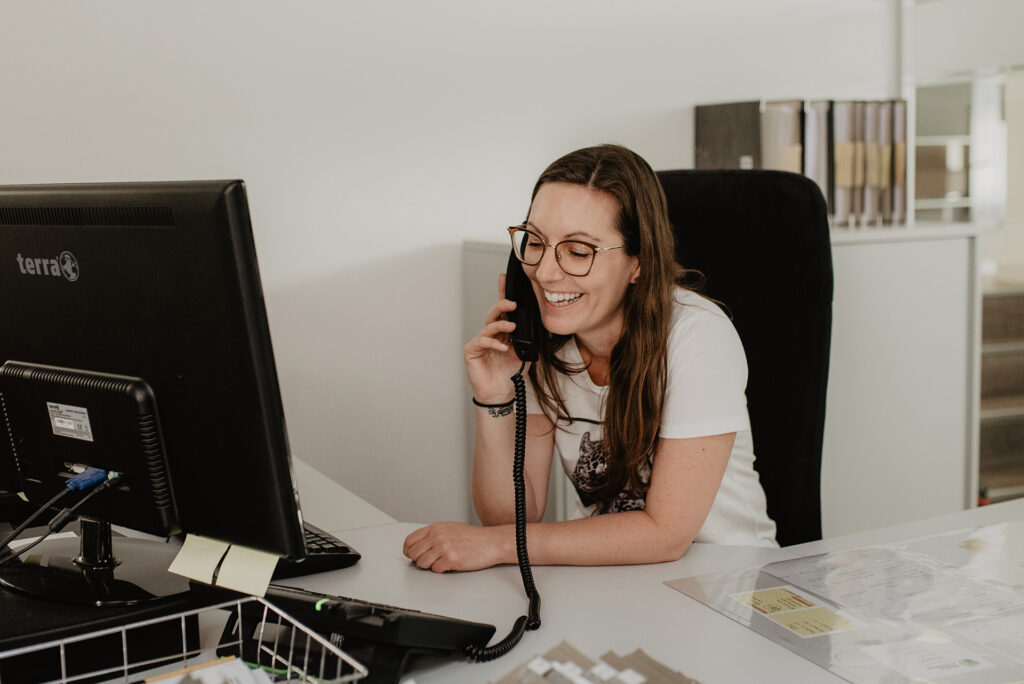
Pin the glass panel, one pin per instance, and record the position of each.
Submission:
(944, 110)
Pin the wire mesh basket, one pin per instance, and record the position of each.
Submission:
(249, 629)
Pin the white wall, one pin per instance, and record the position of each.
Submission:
(375, 136)
(958, 37)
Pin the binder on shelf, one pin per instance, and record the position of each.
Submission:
(818, 147)
(727, 136)
(885, 162)
(782, 132)
(843, 159)
(857, 196)
(899, 162)
(872, 164)
(856, 151)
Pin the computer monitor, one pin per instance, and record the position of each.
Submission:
(10, 477)
(12, 507)
(156, 282)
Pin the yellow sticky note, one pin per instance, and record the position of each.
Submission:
(198, 558)
(813, 622)
(247, 570)
(776, 600)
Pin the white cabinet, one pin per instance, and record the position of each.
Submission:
(902, 411)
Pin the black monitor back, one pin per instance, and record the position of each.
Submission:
(160, 281)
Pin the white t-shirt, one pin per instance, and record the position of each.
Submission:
(707, 378)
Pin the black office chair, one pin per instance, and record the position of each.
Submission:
(761, 239)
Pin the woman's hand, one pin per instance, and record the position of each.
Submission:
(490, 360)
(448, 546)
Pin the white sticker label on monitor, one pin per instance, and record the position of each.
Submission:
(69, 421)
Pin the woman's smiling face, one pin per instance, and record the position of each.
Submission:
(590, 306)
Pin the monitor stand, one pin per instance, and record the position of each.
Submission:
(85, 570)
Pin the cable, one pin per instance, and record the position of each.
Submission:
(61, 519)
(532, 619)
(82, 480)
(87, 478)
(28, 521)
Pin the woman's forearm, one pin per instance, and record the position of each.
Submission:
(626, 538)
(493, 491)
(492, 467)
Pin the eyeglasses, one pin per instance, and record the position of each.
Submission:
(575, 258)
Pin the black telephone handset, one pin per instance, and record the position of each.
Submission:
(526, 315)
(524, 341)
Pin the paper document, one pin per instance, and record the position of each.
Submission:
(814, 622)
(929, 659)
(777, 600)
(224, 671)
(946, 609)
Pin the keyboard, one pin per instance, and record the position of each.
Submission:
(324, 552)
(380, 636)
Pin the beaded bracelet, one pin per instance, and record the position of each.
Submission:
(497, 410)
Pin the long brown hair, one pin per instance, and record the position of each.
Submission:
(638, 370)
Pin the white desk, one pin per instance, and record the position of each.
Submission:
(330, 506)
(595, 609)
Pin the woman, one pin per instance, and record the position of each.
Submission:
(639, 387)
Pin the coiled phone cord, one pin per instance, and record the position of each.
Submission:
(532, 620)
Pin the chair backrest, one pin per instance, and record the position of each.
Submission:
(761, 239)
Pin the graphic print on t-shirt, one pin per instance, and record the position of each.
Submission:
(590, 469)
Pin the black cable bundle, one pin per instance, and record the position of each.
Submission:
(56, 523)
(532, 620)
